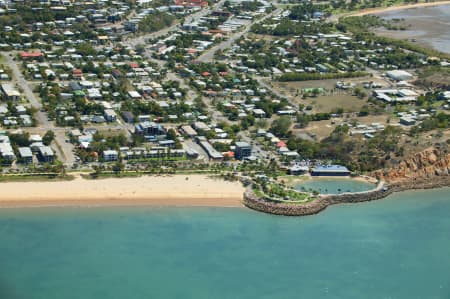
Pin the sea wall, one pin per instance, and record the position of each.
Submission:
(381, 191)
(424, 170)
(292, 209)
(279, 208)
(437, 181)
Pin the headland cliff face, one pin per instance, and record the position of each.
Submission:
(430, 164)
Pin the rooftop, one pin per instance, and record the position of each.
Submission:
(330, 168)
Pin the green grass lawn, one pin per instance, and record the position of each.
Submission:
(280, 193)
(34, 178)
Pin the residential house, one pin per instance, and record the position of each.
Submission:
(110, 115)
(46, 154)
(25, 155)
(10, 92)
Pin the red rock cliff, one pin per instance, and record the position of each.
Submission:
(429, 163)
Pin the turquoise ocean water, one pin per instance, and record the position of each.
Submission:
(393, 248)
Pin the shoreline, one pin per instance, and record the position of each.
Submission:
(183, 191)
(380, 10)
(421, 27)
(177, 190)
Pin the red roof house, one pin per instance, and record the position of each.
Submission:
(192, 3)
(281, 144)
(77, 73)
(31, 55)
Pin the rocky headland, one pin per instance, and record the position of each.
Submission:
(428, 164)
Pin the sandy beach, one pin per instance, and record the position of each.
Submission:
(393, 8)
(177, 190)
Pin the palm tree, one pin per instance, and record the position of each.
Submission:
(60, 168)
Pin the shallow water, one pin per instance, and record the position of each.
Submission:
(334, 185)
(393, 248)
(429, 25)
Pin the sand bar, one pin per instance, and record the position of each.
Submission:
(177, 190)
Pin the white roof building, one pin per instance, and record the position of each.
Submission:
(399, 75)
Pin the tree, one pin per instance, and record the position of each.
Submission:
(360, 93)
(171, 134)
(140, 48)
(20, 139)
(315, 92)
(97, 171)
(261, 123)
(118, 167)
(302, 120)
(155, 22)
(48, 137)
(281, 126)
(60, 168)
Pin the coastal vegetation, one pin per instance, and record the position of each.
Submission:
(319, 76)
(281, 193)
(155, 22)
(358, 155)
(439, 121)
(35, 177)
(434, 76)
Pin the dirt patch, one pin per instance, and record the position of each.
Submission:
(322, 129)
(317, 129)
(328, 84)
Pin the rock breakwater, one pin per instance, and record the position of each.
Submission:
(424, 170)
(383, 190)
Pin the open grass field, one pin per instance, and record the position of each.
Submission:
(331, 103)
(331, 99)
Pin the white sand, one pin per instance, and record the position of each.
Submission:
(196, 190)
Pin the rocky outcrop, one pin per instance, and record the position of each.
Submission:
(430, 163)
